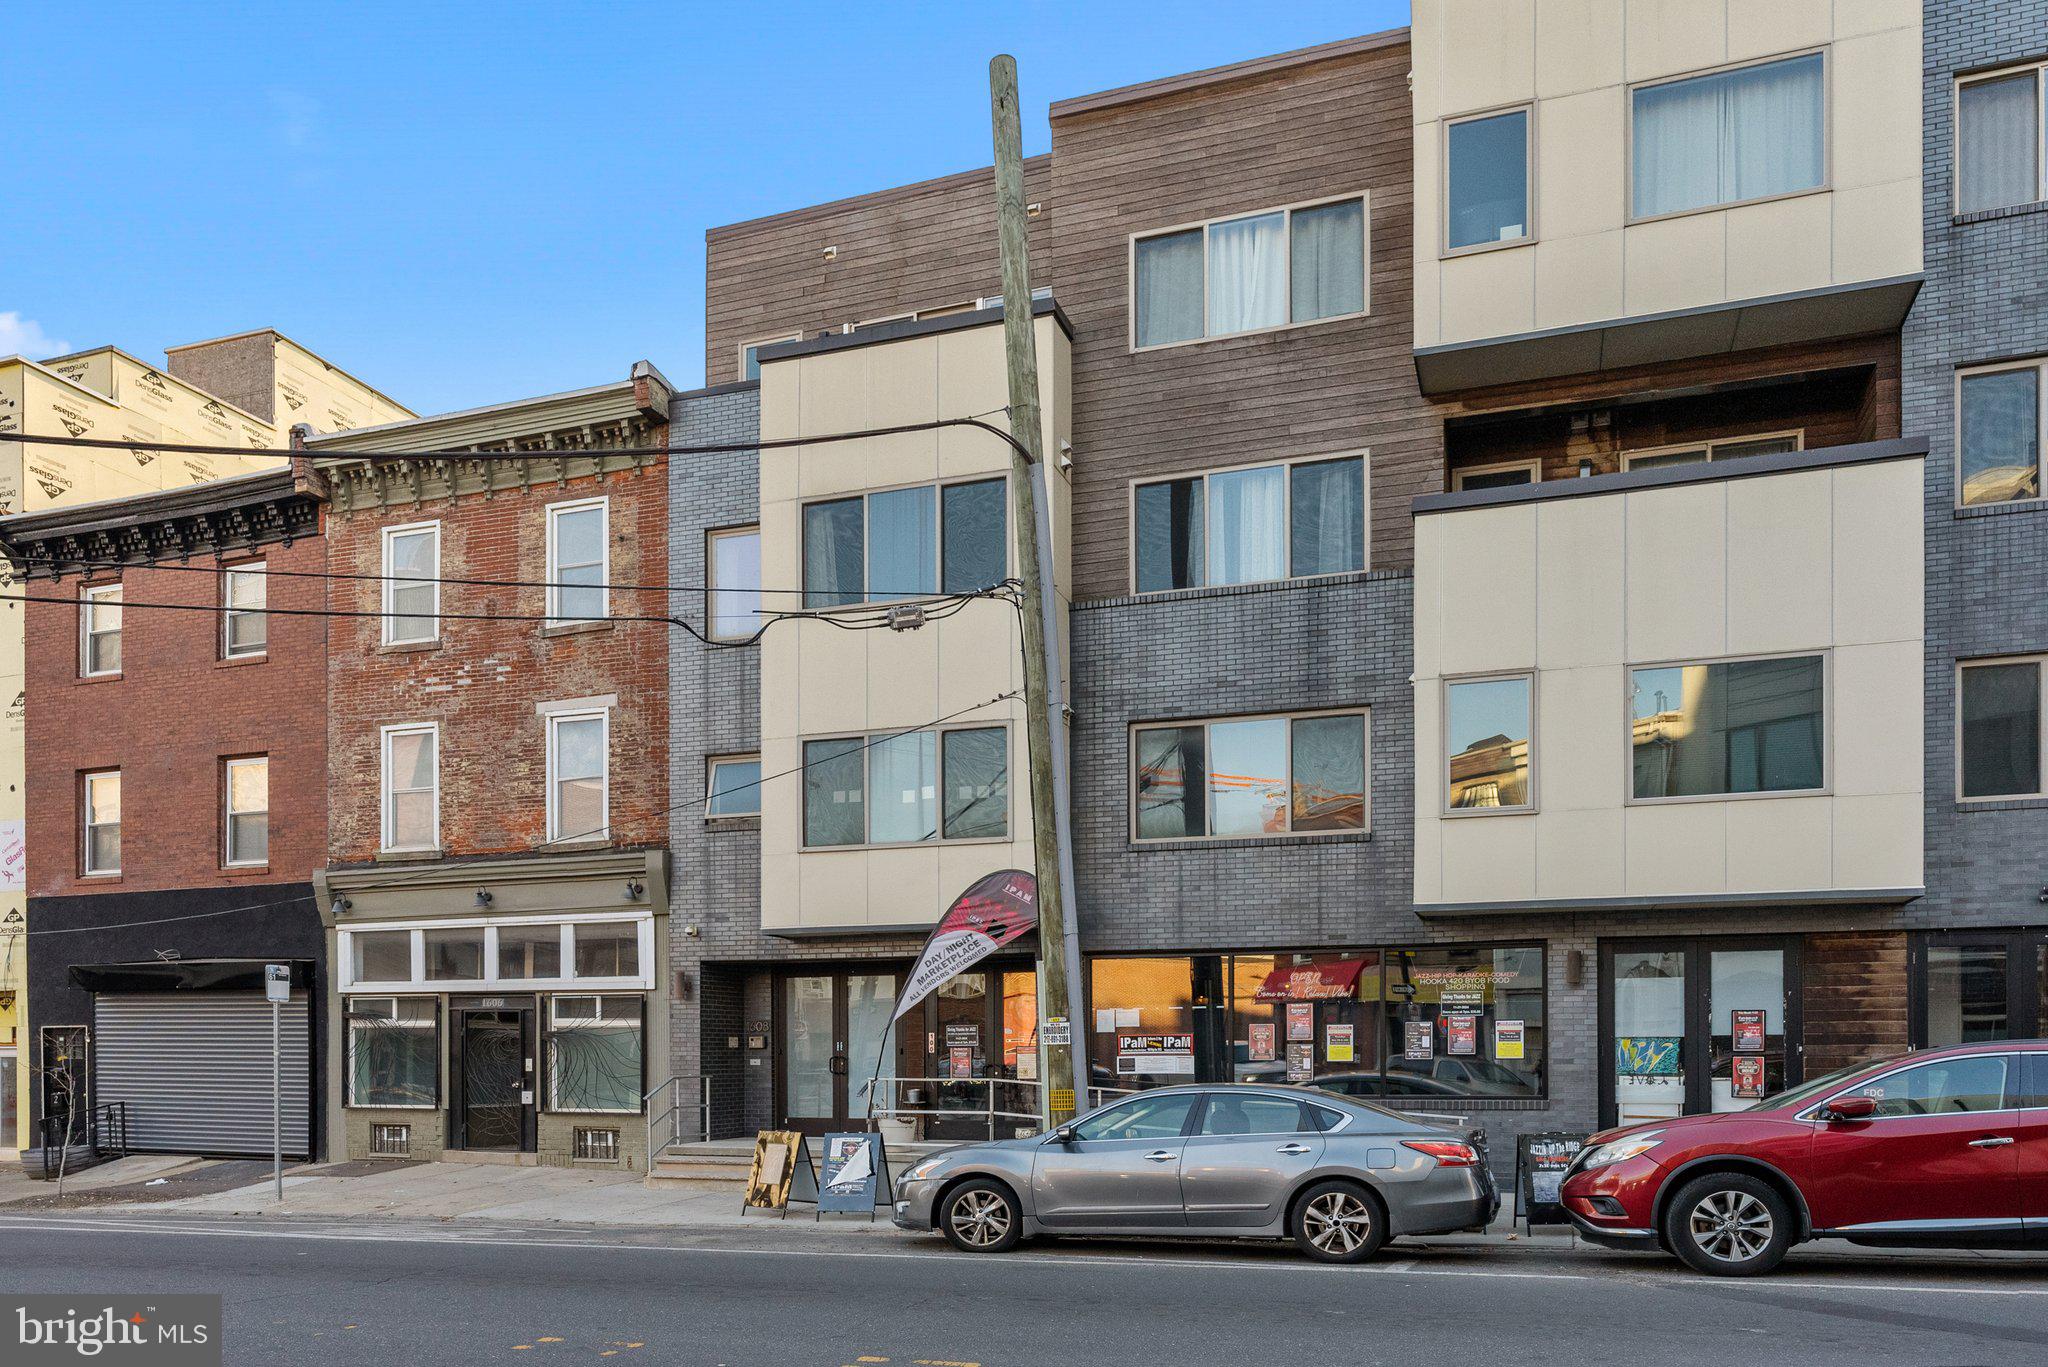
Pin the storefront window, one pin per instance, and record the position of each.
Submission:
(1966, 994)
(1649, 1034)
(456, 955)
(1143, 1031)
(1466, 1022)
(394, 1049)
(1306, 1017)
(608, 949)
(594, 1048)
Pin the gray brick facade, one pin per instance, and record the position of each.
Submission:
(1987, 566)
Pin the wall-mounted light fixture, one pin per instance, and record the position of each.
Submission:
(634, 887)
(483, 897)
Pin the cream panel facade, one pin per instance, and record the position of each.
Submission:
(1790, 564)
(1573, 64)
(819, 681)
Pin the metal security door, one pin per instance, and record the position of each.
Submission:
(494, 1080)
(193, 1070)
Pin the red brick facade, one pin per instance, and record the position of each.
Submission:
(169, 722)
(482, 680)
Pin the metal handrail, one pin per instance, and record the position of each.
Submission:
(892, 1110)
(105, 1131)
(672, 1114)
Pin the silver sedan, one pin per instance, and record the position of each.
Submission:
(1337, 1176)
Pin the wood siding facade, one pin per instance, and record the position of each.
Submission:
(1855, 998)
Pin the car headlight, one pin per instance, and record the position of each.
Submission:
(1620, 1150)
(925, 1168)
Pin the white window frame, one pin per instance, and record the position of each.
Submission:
(869, 741)
(711, 767)
(1443, 743)
(1131, 783)
(2040, 661)
(603, 717)
(2040, 71)
(1445, 251)
(418, 982)
(938, 488)
(87, 826)
(91, 598)
(1364, 198)
(384, 789)
(432, 1027)
(229, 613)
(1364, 458)
(602, 504)
(711, 586)
(391, 615)
(1827, 727)
(755, 346)
(1827, 140)
(1533, 464)
(2037, 364)
(1712, 446)
(555, 1022)
(228, 812)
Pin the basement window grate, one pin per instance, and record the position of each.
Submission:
(597, 1146)
(390, 1141)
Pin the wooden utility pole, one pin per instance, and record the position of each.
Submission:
(1044, 691)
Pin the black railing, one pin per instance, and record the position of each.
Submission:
(100, 1132)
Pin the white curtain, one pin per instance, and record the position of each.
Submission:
(1247, 518)
(1169, 292)
(2001, 136)
(1247, 274)
(1732, 136)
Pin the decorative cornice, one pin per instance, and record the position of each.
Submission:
(218, 517)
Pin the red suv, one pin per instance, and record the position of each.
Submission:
(1944, 1148)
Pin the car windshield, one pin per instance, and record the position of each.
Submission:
(1811, 1091)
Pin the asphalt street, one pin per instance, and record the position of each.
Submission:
(303, 1293)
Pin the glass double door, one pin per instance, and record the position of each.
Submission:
(836, 1036)
(1696, 1025)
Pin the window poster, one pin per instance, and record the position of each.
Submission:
(1301, 1062)
(1260, 1043)
(1158, 1054)
(1461, 1034)
(961, 1058)
(1419, 1039)
(1301, 1022)
(1338, 1043)
(1508, 1039)
(1748, 1029)
(1749, 1076)
(1027, 1065)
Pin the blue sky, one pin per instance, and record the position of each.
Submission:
(468, 203)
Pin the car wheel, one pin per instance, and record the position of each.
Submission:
(1729, 1224)
(981, 1217)
(1338, 1222)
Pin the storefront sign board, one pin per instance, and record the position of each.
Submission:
(1508, 1039)
(1301, 1021)
(1540, 1162)
(1338, 1043)
(1419, 1040)
(781, 1172)
(1748, 1030)
(856, 1171)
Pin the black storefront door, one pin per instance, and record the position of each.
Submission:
(1977, 985)
(495, 1079)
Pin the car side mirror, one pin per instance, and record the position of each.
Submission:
(1850, 1108)
(1063, 1134)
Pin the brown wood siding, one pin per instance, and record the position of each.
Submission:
(1305, 132)
(920, 246)
(1855, 998)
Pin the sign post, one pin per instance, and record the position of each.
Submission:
(277, 987)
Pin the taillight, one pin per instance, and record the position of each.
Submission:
(1448, 1153)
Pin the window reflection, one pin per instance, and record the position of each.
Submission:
(1487, 729)
(1742, 726)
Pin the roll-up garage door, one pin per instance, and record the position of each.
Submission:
(194, 1070)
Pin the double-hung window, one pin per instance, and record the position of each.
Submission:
(1999, 740)
(905, 543)
(1723, 448)
(1729, 727)
(100, 798)
(1255, 523)
(1486, 181)
(244, 592)
(907, 788)
(579, 780)
(99, 646)
(1489, 744)
(412, 583)
(394, 1052)
(579, 555)
(733, 597)
(2000, 159)
(1251, 274)
(412, 786)
(245, 820)
(1999, 433)
(594, 1053)
(1728, 137)
(1250, 776)
(733, 787)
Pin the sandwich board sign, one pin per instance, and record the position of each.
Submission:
(856, 1171)
(781, 1172)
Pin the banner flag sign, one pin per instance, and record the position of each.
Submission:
(781, 1172)
(1540, 1163)
(856, 1171)
(994, 912)
(1748, 1029)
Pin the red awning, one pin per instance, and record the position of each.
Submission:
(1337, 978)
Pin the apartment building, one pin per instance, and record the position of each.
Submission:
(495, 889)
(171, 841)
